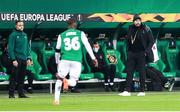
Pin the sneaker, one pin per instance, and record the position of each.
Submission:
(30, 90)
(141, 94)
(23, 96)
(172, 81)
(166, 85)
(56, 102)
(65, 85)
(125, 93)
(170, 84)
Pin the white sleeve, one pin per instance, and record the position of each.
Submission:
(87, 45)
(58, 47)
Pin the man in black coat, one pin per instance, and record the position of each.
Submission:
(139, 43)
(108, 70)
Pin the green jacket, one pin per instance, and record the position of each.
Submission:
(18, 45)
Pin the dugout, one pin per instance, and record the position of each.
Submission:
(44, 20)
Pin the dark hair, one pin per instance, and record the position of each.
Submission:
(136, 16)
(95, 42)
(16, 22)
(71, 21)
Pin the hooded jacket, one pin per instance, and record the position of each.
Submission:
(144, 35)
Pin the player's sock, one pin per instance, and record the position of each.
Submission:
(57, 91)
(65, 85)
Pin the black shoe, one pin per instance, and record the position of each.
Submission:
(106, 88)
(11, 96)
(23, 96)
(113, 88)
(30, 90)
(74, 90)
(66, 91)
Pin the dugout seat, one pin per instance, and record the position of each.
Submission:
(162, 45)
(159, 64)
(172, 58)
(161, 67)
(36, 69)
(119, 65)
(4, 76)
(121, 47)
(45, 56)
(86, 70)
(37, 45)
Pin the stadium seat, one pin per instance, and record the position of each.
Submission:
(4, 76)
(86, 76)
(178, 60)
(99, 75)
(172, 58)
(161, 66)
(37, 45)
(45, 56)
(31, 68)
(119, 65)
(121, 47)
(178, 44)
(0, 53)
(86, 70)
(54, 44)
(37, 69)
(162, 45)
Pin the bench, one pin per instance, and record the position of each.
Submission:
(51, 82)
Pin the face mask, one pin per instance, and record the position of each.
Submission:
(95, 50)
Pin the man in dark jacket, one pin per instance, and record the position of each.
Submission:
(6, 62)
(108, 70)
(139, 44)
(19, 53)
(156, 76)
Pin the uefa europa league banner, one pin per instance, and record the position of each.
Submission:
(97, 17)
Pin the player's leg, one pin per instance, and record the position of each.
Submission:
(63, 69)
(74, 73)
(58, 85)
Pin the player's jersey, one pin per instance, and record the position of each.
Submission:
(71, 45)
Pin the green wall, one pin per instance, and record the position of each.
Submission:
(90, 6)
(87, 7)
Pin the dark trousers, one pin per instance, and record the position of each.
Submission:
(155, 75)
(135, 62)
(29, 77)
(108, 71)
(17, 76)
